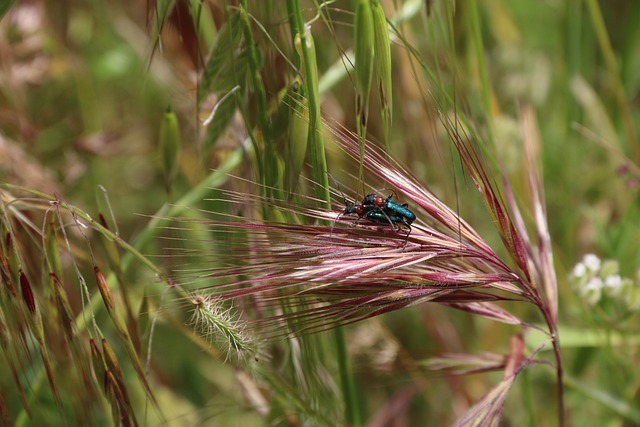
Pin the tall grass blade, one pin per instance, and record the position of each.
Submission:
(161, 11)
(303, 41)
(383, 66)
(297, 144)
(544, 255)
(614, 74)
(364, 51)
(272, 171)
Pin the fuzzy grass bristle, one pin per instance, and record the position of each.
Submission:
(217, 324)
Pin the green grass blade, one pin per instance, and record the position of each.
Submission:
(304, 41)
(364, 51)
(614, 75)
(383, 66)
(218, 121)
(226, 61)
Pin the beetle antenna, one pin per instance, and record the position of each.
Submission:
(334, 223)
(344, 199)
(335, 181)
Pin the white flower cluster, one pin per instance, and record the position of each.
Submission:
(595, 280)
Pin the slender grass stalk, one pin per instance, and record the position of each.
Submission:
(93, 223)
(351, 408)
(478, 46)
(270, 163)
(160, 13)
(310, 72)
(132, 251)
(256, 77)
(334, 74)
(297, 144)
(383, 67)
(548, 285)
(575, 39)
(614, 75)
(364, 50)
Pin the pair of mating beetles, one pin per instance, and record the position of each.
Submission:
(381, 211)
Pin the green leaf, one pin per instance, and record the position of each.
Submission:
(226, 60)
(364, 52)
(224, 111)
(296, 150)
(383, 65)
(365, 55)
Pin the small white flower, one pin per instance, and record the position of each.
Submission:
(613, 281)
(591, 292)
(579, 270)
(614, 285)
(595, 283)
(592, 262)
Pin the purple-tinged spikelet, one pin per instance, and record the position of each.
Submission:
(335, 275)
(27, 292)
(322, 269)
(105, 291)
